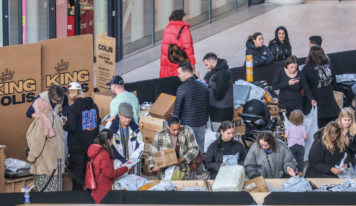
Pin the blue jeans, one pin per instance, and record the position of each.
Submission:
(354, 91)
(199, 133)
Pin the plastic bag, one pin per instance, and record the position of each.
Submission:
(130, 182)
(296, 184)
(229, 178)
(345, 78)
(164, 186)
(15, 164)
(311, 125)
(65, 141)
(255, 91)
(210, 137)
(231, 160)
(194, 189)
(241, 93)
(348, 186)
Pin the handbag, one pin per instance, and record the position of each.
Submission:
(89, 177)
(195, 163)
(176, 54)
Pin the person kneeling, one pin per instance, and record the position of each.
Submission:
(224, 145)
(270, 158)
(181, 138)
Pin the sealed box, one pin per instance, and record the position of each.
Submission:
(148, 135)
(256, 185)
(150, 123)
(102, 100)
(163, 106)
(165, 158)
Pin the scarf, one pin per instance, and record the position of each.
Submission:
(125, 140)
(40, 105)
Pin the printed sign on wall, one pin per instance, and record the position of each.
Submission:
(105, 60)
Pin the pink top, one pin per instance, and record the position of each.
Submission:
(296, 135)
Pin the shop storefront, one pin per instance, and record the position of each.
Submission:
(136, 24)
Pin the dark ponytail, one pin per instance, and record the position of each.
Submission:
(254, 36)
(103, 139)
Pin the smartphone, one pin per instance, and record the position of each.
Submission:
(296, 78)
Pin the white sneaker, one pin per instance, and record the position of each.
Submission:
(204, 176)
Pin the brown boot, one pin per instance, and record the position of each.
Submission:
(300, 174)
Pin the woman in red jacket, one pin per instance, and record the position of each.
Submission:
(176, 21)
(102, 155)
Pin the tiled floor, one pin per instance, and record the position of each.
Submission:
(335, 21)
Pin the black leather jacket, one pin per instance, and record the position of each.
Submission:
(192, 103)
(213, 158)
(279, 50)
(261, 55)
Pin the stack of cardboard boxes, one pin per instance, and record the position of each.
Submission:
(150, 126)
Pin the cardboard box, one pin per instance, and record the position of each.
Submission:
(145, 170)
(147, 147)
(255, 185)
(149, 185)
(338, 97)
(240, 130)
(151, 123)
(165, 158)
(163, 106)
(148, 135)
(236, 114)
(102, 100)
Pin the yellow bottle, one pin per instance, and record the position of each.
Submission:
(249, 68)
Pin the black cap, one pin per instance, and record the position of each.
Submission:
(116, 80)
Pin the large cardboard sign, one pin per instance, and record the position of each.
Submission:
(105, 60)
(68, 60)
(20, 83)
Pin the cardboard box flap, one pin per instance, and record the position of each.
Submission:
(165, 158)
(163, 106)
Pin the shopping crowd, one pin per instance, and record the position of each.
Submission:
(200, 104)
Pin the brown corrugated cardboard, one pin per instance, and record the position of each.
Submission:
(163, 106)
(105, 60)
(102, 100)
(165, 158)
(147, 147)
(255, 185)
(236, 114)
(67, 60)
(20, 83)
(151, 123)
(148, 135)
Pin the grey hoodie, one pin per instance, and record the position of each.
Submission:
(256, 163)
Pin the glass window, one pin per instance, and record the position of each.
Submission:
(220, 7)
(163, 9)
(61, 18)
(100, 21)
(36, 21)
(197, 11)
(136, 24)
(14, 22)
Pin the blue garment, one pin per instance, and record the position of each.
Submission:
(268, 151)
(123, 131)
(65, 107)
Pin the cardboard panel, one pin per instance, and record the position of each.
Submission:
(236, 114)
(68, 60)
(20, 83)
(102, 100)
(151, 123)
(105, 60)
(148, 135)
(163, 106)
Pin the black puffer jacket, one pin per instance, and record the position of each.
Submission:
(279, 50)
(220, 92)
(261, 55)
(192, 103)
(213, 158)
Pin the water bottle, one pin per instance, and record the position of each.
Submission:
(27, 195)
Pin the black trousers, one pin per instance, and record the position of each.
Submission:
(77, 163)
(298, 153)
(324, 121)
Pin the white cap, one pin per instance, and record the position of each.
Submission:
(74, 85)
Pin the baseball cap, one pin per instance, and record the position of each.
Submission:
(116, 80)
(74, 85)
(126, 110)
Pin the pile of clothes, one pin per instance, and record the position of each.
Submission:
(348, 186)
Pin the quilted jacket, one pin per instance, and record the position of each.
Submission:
(169, 37)
(261, 55)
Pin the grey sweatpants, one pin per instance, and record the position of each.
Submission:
(199, 133)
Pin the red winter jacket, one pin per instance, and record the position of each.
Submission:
(170, 35)
(104, 172)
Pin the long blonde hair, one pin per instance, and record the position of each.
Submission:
(347, 113)
(331, 129)
(75, 93)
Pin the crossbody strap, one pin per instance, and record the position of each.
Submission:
(180, 32)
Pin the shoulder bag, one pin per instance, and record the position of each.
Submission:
(176, 54)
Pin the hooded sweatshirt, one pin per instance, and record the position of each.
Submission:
(261, 55)
(103, 169)
(82, 124)
(221, 99)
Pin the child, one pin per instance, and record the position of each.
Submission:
(296, 135)
(102, 155)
